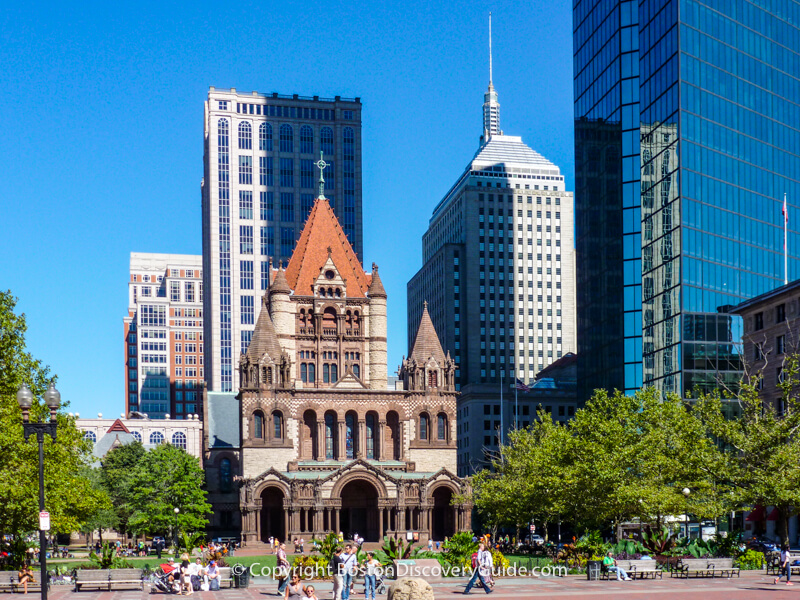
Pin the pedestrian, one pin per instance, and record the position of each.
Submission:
(481, 569)
(370, 576)
(437, 546)
(349, 568)
(336, 567)
(786, 565)
(610, 563)
(295, 590)
(272, 544)
(283, 566)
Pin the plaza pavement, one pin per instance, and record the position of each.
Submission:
(750, 586)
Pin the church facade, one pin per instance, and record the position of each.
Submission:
(323, 444)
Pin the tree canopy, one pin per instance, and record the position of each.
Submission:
(69, 495)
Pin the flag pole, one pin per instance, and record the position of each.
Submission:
(785, 241)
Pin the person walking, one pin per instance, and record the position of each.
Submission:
(370, 576)
(349, 567)
(610, 563)
(481, 569)
(283, 566)
(786, 565)
(338, 573)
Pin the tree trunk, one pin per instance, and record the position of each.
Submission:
(783, 525)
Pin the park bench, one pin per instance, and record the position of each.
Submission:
(9, 582)
(641, 568)
(108, 579)
(225, 577)
(706, 567)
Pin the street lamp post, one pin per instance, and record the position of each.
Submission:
(25, 400)
(686, 492)
(177, 510)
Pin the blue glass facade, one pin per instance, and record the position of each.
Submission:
(718, 146)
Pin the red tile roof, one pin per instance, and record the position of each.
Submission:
(118, 426)
(321, 232)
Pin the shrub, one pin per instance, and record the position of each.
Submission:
(751, 560)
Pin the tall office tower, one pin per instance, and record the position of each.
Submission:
(259, 185)
(164, 335)
(686, 139)
(498, 262)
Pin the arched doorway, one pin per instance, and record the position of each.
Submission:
(272, 516)
(359, 512)
(443, 523)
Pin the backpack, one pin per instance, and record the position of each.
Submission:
(475, 564)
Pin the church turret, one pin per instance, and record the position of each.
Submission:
(378, 376)
(265, 364)
(427, 366)
(282, 311)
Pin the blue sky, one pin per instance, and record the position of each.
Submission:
(102, 137)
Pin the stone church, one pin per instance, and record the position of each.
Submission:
(323, 444)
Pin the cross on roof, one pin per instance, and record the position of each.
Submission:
(321, 164)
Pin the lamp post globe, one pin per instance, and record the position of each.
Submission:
(177, 510)
(686, 491)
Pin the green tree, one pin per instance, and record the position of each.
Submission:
(105, 517)
(118, 472)
(632, 455)
(528, 478)
(166, 478)
(762, 461)
(69, 496)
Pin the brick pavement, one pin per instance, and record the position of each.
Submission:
(751, 586)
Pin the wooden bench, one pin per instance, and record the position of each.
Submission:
(225, 577)
(126, 579)
(773, 564)
(641, 568)
(9, 582)
(706, 567)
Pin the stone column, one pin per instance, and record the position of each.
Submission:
(401, 433)
(287, 523)
(361, 445)
(320, 439)
(380, 524)
(380, 451)
(336, 520)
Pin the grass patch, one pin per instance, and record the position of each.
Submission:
(269, 560)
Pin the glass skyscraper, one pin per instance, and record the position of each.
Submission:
(687, 136)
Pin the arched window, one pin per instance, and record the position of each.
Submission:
(304, 372)
(370, 424)
(350, 428)
(424, 426)
(334, 373)
(277, 425)
(225, 475)
(91, 436)
(311, 372)
(330, 429)
(265, 137)
(441, 427)
(326, 373)
(245, 136)
(326, 140)
(306, 140)
(179, 440)
(136, 436)
(357, 371)
(287, 138)
(258, 425)
(156, 438)
(329, 320)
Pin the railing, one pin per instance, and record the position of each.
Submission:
(284, 96)
(306, 331)
(353, 332)
(329, 331)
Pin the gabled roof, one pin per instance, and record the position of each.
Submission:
(118, 426)
(426, 342)
(264, 340)
(322, 231)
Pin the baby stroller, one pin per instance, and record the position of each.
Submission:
(161, 580)
(380, 586)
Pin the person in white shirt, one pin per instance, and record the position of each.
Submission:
(482, 570)
(786, 565)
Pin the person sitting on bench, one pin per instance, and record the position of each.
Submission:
(610, 563)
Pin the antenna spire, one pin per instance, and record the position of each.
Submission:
(321, 164)
(490, 49)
